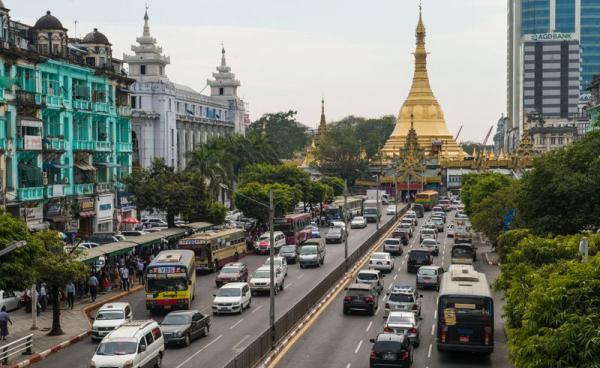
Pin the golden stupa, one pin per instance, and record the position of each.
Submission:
(425, 110)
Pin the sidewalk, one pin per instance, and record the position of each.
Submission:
(75, 325)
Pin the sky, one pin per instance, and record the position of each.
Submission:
(288, 54)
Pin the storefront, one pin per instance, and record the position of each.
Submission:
(34, 217)
(86, 215)
(56, 214)
(104, 213)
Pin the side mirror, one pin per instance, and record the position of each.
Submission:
(142, 348)
(420, 318)
(372, 340)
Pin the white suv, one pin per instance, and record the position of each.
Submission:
(261, 280)
(232, 298)
(135, 344)
(109, 317)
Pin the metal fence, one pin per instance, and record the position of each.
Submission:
(261, 346)
(23, 345)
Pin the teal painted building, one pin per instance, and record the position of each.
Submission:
(65, 128)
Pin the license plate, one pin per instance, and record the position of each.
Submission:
(378, 263)
(426, 278)
(389, 356)
(464, 339)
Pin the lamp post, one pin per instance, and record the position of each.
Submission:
(271, 208)
(377, 203)
(346, 223)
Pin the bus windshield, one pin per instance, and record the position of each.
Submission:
(287, 229)
(173, 284)
(462, 251)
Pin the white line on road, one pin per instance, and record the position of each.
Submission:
(358, 347)
(348, 365)
(432, 329)
(435, 314)
(391, 285)
(236, 347)
(369, 326)
(257, 309)
(396, 275)
(289, 284)
(300, 276)
(235, 324)
(199, 351)
(429, 352)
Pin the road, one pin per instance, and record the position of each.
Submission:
(338, 340)
(229, 334)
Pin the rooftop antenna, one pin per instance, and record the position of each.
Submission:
(76, 21)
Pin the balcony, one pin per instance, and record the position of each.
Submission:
(84, 189)
(100, 107)
(55, 144)
(30, 143)
(54, 101)
(104, 187)
(124, 111)
(81, 104)
(124, 147)
(56, 191)
(30, 194)
(83, 145)
(29, 99)
(67, 103)
(112, 110)
(103, 146)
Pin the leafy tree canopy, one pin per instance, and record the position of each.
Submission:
(282, 131)
(285, 198)
(476, 187)
(336, 184)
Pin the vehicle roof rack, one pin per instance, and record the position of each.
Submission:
(138, 323)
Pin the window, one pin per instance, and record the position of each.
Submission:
(139, 102)
(161, 69)
(133, 102)
(143, 69)
(90, 61)
(149, 338)
(141, 343)
(221, 91)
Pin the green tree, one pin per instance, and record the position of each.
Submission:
(476, 187)
(488, 215)
(319, 193)
(285, 198)
(336, 184)
(282, 131)
(373, 133)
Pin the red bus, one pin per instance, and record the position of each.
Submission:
(295, 227)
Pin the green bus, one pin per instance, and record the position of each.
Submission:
(428, 199)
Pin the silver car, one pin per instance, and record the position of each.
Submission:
(431, 245)
(372, 277)
(392, 246)
(404, 323)
(427, 234)
(403, 298)
(429, 276)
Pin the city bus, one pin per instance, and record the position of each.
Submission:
(295, 227)
(170, 280)
(465, 317)
(462, 253)
(428, 199)
(336, 209)
(215, 248)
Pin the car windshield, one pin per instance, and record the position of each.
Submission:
(429, 242)
(176, 319)
(426, 272)
(229, 292)
(310, 249)
(399, 319)
(117, 348)
(392, 241)
(428, 231)
(230, 270)
(419, 255)
(464, 250)
(367, 276)
(370, 211)
(158, 285)
(401, 298)
(287, 249)
(359, 219)
(335, 231)
(379, 256)
(262, 274)
(387, 347)
(105, 315)
(404, 226)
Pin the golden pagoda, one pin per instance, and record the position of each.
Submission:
(311, 151)
(422, 105)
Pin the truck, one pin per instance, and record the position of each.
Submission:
(372, 210)
(383, 196)
(462, 231)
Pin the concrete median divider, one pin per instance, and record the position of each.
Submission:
(259, 352)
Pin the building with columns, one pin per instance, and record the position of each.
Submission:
(171, 119)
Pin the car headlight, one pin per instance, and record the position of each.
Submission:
(128, 364)
(92, 364)
(177, 334)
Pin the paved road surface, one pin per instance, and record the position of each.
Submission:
(338, 340)
(229, 334)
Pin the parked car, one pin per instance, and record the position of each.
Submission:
(429, 276)
(361, 297)
(335, 235)
(261, 280)
(232, 298)
(391, 350)
(358, 222)
(371, 277)
(134, 344)
(263, 244)
(290, 253)
(109, 317)
(391, 209)
(280, 264)
(87, 245)
(393, 246)
(10, 300)
(183, 326)
(381, 261)
(431, 245)
(232, 272)
(418, 258)
(404, 323)
(403, 298)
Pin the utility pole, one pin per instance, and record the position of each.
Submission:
(378, 208)
(272, 271)
(346, 223)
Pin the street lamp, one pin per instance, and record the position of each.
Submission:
(271, 209)
(12, 246)
(346, 223)
(377, 202)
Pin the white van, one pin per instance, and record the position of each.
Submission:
(135, 344)
(262, 245)
(109, 317)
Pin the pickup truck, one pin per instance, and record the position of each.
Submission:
(462, 235)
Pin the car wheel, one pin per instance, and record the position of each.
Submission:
(281, 287)
(158, 363)
(249, 303)
(187, 340)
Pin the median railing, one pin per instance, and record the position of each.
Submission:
(23, 345)
(261, 347)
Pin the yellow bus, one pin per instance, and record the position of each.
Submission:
(428, 199)
(215, 248)
(171, 280)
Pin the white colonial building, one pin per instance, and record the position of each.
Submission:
(169, 119)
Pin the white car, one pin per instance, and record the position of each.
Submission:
(450, 231)
(88, 245)
(358, 222)
(391, 209)
(232, 298)
(280, 264)
(392, 246)
(338, 223)
(109, 317)
(431, 245)
(261, 280)
(10, 300)
(135, 344)
(382, 261)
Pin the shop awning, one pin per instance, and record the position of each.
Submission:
(87, 214)
(106, 164)
(85, 167)
(110, 249)
(30, 122)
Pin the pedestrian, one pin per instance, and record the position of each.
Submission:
(43, 298)
(93, 284)
(4, 320)
(116, 279)
(131, 273)
(125, 278)
(71, 294)
(140, 271)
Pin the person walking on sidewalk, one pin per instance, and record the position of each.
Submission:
(4, 320)
(71, 294)
(125, 278)
(140, 271)
(43, 296)
(93, 284)
(116, 279)
(131, 273)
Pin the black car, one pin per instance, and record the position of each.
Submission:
(418, 258)
(361, 297)
(181, 327)
(419, 210)
(391, 350)
(403, 235)
(290, 253)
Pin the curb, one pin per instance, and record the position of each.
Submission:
(74, 339)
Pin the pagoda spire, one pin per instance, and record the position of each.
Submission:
(223, 61)
(323, 122)
(146, 26)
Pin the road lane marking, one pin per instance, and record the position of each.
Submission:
(257, 309)
(432, 329)
(435, 314)
(429, 352)
(237, 347)
(390, 287)
(235, 324)
(396, 275)
(358, 347)
(300, 276)
(369, 326)
(289, 284)
(199, 351)
(348, 365)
